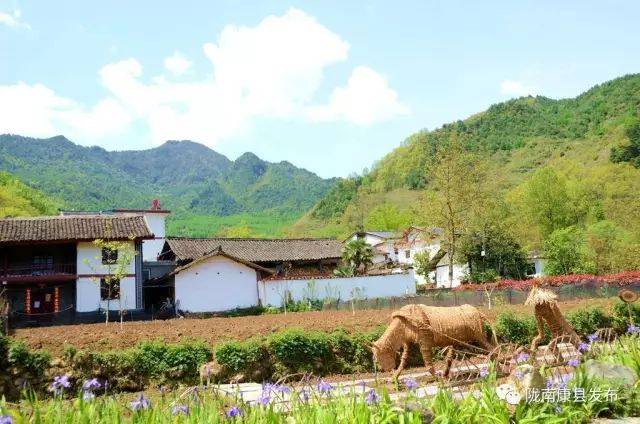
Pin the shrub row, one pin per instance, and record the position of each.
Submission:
(279, 355)
(296, 351)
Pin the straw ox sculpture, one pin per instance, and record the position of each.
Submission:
(429, 327)
(547, 312)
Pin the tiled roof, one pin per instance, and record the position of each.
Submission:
(257, 250)
(67, 228)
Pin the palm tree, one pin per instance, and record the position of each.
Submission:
(357, 254)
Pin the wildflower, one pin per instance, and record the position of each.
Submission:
(593, 337)
(484, 372)
(549, 383)
(519, 375)
(87, 395)
(573, 362)
(60, 383)
(180, 409)
(282, 389)
(324, 387)
(410, 383)
(6, 419)
(264, 399)
(633, 329)
(583, 347)
(522, 357)
(372, 397)
(91, 385)
(140, 403)
(304, 395)
(234, 412)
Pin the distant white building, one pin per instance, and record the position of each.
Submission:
(536, 264)
(402, 248)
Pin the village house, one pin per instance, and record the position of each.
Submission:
(52, 269)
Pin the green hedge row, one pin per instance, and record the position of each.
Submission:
(296, 351)
(286, 353)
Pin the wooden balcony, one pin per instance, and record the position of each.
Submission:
(38, 273)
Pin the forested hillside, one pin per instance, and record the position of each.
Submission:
(16, 199)
(552, 165)
(208, 193)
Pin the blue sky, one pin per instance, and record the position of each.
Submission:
(331, 86)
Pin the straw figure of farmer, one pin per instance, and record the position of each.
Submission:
(547, 312)
(429, 327)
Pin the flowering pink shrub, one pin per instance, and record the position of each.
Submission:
(620, 279)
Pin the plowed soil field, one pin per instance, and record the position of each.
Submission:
(215, 330)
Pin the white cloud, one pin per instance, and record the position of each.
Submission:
(177, 64)
(366, 99)
(12, 19)
(517, 88)
(271, 70)
(36, 110)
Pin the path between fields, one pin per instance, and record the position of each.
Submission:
(102, 337)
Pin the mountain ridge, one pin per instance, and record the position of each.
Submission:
(518, 137)
(189, 177)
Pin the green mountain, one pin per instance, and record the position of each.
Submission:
(17, 199)
(206, 191)
(574, 136)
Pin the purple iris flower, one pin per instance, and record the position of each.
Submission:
(372, 397)
(91, 385)
(6, 419)
(180, 409)
(410, 383)
(234, 412)
(573, 362)
(324, 387)
(583, 347)
(60, 383)
(87, 395)
(140, 403)
(304, 395)
(264, 399)
(519, 375)
(282, 389)
(523, 357)
(484, 372)
(633, 329)
(593, 337)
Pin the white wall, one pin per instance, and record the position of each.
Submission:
(89, 252)
(272, 291)
(89, 268)
(370, 239)
(88, 295)
(219, 284)
(442, 275)
(156, 223)
(539, 264)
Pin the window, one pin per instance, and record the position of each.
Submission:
(109, 256)
(42, 264)
(109, 289)
(407, 254)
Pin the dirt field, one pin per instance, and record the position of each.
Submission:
(214, 330)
